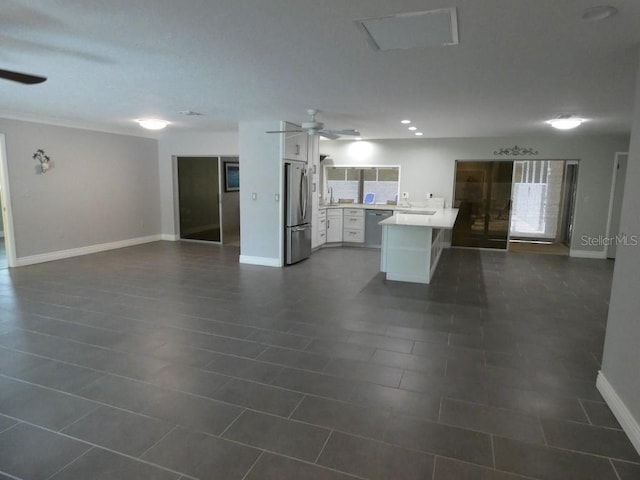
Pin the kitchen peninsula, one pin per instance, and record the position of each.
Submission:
(412, 244)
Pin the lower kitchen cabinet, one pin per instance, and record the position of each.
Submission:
(353, 225)
(334, 225)
(321, 232)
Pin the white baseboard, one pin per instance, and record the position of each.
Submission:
(597, 254)
(169, 237)
(629, 424)
(263, 261)
(76, 252)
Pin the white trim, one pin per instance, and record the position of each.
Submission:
(7, 216)
(597, 254)
(263, 261)
(169, 237)
(629, 424)
(76, 252)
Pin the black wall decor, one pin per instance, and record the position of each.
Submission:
(516, 151)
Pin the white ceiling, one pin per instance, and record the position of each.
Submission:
(519, 63)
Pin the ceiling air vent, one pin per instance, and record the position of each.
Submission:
(432, 28)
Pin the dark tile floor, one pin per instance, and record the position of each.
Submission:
(172, 361)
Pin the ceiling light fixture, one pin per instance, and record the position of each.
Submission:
(419, 134)
(413, 129)
(601, 12)
(152, 123)
(405, 122)
(566, 122)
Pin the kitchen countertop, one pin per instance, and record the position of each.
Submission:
(443, 218)
(375, 206)
(362, 206)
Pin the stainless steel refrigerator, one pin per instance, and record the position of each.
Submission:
(297, 201)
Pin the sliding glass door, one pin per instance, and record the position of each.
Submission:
(537, 200)
(483, 195)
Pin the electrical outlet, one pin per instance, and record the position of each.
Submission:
(405, 195)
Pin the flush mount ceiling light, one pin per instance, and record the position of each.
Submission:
(432, 28)
(419, 134)
(601, 12)
(152, 123)
(566, 122)
(405, 122)
(413, 129)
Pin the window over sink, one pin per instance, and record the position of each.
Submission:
(363, 184)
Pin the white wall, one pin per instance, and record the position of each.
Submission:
(173, 145)
(261, 173)
(103, 188)
(428, 166)
(619, 380)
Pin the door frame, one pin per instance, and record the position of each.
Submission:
(7, 215)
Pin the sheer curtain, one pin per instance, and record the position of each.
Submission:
(537, 193)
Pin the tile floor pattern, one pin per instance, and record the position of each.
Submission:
(172, 361)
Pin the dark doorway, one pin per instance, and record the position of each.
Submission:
(483, 195)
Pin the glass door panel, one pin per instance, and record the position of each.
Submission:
(483, 195)
(199, 198)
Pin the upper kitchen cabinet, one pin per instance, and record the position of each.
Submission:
(295, 144)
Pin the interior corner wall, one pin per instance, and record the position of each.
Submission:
(102, 188)
(428, 166)
(171, 145)
(621, 358)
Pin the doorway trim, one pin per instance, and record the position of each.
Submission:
(616, 159)
(7, 214)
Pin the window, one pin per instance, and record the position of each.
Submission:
(363, 184)
(537, 189)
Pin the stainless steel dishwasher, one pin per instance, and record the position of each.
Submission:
(373, 231)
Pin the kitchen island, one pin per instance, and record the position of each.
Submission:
(412, 244)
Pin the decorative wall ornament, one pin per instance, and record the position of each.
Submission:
(516, 151)
(45, 161)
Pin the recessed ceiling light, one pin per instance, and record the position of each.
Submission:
(405, 121)
(152, 123)
(413, 129)
(419, 134)
(566, 122)
(598, 13)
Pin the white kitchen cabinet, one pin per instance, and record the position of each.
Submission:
(353, 225)
(321, 231)
(295, 144)
(334, 225)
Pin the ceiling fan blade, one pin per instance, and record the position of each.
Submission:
(285, 131)
(21, 77)
(328, 134)
(348, 131)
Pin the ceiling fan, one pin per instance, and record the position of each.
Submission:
(313, 127)
(25, 78)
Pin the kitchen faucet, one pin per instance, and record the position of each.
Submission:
(331, 199)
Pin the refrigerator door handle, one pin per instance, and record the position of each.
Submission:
(304, 194)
